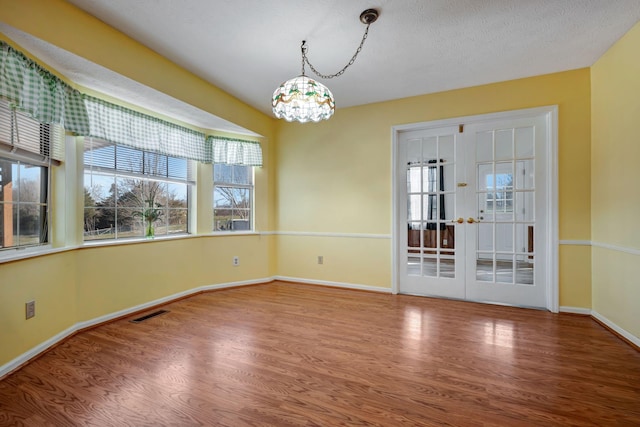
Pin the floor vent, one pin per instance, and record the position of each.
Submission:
(149, 316)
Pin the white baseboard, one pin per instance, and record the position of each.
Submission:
(333, 284)
(44, 346)
(575, 310)
(622, 332)
(35, 351)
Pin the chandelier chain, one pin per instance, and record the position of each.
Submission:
(339, 73)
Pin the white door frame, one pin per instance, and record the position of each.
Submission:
(551, 153)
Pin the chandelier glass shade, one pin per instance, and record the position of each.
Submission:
(303, 99)
(306, 100)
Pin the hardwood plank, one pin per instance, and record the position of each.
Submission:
(286, 354)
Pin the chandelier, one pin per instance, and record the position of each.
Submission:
(304, 99)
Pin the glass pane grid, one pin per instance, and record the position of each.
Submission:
(118, 206)
(505, 194)
(23, 204)
(430, 201)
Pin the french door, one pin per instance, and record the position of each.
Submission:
(472, 208)
(434, 245)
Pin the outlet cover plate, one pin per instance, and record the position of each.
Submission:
(30, 309)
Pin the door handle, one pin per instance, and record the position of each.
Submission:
(459, 220)
(472, 220)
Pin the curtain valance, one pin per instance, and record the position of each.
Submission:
(121, 125)
(235, 151)
(40, 94)
(43, 96)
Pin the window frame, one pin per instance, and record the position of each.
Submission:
(42, 206)
(143, 178)
(235, 185)
(26, 141)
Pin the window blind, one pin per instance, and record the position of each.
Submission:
(106, 156)
(22, 136)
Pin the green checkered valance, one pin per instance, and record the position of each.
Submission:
(40, 94)
(32, 89)
(123, 126)
(235, 151)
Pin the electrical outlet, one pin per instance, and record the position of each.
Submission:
(444, 242)
(236, 261)
(30, 309)
(320, 259)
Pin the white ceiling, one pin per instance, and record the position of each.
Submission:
(249, 47)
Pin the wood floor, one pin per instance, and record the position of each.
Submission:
(297, 355)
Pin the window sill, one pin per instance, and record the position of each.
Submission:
(234, 233)
(98, 243)
(92, 243)
(134, 241)
(20, 254)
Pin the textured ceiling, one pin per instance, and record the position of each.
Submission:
(249, 47)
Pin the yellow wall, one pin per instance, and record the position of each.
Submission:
(113, 278)
(50, 281)
(615, 176)
(91, 282)
(335, 177)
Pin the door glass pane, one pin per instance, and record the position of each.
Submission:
(504, 144)
(430, 266)
(448, 238)
(449, 207)
(430, 207)
(430, 179)
(447, 149)
(524, 206)
(413, 265)
(448, 178)
(485, 176)
(524, 238)
(414, 179)
(484, 146)
(413, 207)
(414, 151)
(484, 267)
(485, 236)
(430, 235)
(413, 235)
(525, 175)
(524, 142)
(485, 206)
(504, 237)
(503, 183)
(429, 149)
(448, 267)
(504, 270)
(524, 271)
